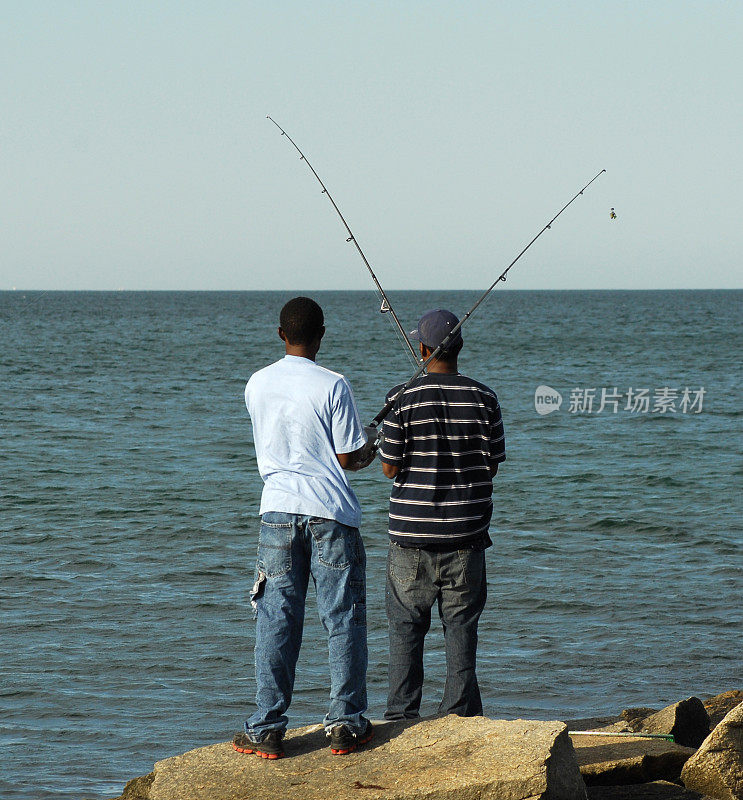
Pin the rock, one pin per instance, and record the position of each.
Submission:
(658, 790)
(591, 723)
(719, 705)
(609, 761)
(635, 716)
(717, 767)
(687, 721)
(450, 758)
(138, 788)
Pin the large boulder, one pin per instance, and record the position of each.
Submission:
(592, 723)
(450, 758)
(657, 790)
(634, 716)
(717, 767)
(633, 719)
(618, 760)
(721, 704)
(687, 721)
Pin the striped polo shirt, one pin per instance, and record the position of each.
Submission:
(444, 433)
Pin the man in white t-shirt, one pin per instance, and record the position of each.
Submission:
(307, 431)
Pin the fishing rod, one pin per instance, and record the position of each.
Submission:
(386, 305)
(452, 333)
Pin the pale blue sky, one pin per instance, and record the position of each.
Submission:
(135, 152)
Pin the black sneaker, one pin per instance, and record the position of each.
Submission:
(271, 746)
(344, 741)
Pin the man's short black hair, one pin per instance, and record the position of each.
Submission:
(450, 353)
(302, 320)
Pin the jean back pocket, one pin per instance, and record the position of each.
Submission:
(275, 548)
(403, 563)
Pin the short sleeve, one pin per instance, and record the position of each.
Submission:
(347, 429)
(246, 395)
(393, 439)
(497, 435)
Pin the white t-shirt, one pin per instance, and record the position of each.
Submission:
(303, 414)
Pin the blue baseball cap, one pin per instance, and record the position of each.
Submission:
(433, 328)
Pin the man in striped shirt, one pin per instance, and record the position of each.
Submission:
(443, 441)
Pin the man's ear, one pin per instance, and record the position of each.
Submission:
(282, 335)
(321, 333)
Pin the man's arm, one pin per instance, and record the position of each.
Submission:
(361, 458)
(497, 439)
(347, 430)
(392, 445)
(391, 450)
(390, 470)
(351, 461)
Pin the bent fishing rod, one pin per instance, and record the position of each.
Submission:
(386, 305)
(453, 332)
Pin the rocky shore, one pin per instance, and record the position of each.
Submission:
(694, 750)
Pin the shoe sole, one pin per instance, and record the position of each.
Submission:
(337, 752)
(260, 753)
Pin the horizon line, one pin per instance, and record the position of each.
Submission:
(15, 290)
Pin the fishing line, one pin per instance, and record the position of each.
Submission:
(502, 277)
(385, 305)
(27, 303)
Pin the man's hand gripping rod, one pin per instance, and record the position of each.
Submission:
(502, 277)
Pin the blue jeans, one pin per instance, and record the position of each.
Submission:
(416, 579)
(290, 549)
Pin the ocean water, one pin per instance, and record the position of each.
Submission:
(129, 494)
